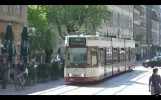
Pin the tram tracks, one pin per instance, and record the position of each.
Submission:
(107, 85)
(114, 81)
(123, 87)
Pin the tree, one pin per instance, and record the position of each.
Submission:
(71, 18)
(40, 39)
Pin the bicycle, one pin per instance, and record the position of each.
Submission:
(19, 82)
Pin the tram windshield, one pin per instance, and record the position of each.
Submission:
(76, 56)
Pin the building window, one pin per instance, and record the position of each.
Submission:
(131, 24)
(123, 21)
(0, 8)
(18, 9)
(111, 17)
(130, 7)
(13, 9)
(4, 8)
(128, 22)
(10, 9)
(21, 10)
(114, 18)
(118, 19)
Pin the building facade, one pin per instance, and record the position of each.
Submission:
(159, 25)
(120, 23)
(136, 28)
(155, 29)
(17, 16)
(155, 24)
(148, 30)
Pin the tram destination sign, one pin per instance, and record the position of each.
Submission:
(77, 41)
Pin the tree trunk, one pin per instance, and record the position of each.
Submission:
(71, 28)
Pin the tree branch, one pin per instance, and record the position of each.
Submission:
(65, 21)
(59, 29)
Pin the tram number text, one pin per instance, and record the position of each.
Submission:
(77, 41)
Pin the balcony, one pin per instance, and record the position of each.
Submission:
(137, 22)
(142, 25)
(142, 16)
(154, 16)
(153, 30)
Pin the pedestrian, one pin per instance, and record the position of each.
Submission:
(60, 62)
(22, 69)
(155, 83)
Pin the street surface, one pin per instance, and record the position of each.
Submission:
(129, 83)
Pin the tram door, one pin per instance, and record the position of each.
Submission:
(102, 60)
(129, 57)
(115, 60)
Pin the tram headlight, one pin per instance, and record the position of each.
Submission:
(82, 75)
(70, 75)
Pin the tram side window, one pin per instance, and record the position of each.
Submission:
(108, 56)
(94, 56)
(89, 57)
(101, 53)
(115, 55)
(127, 54)
(132, 54)
(122, 54)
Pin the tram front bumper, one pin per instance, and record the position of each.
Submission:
(81, 79)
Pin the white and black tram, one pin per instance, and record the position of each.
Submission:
(91, 58)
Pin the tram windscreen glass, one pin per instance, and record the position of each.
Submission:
(77, 41)
(76, 57)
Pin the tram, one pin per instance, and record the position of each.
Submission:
(91, 58)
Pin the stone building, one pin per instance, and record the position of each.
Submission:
(120, 23)
(136, 28)
(17, 16)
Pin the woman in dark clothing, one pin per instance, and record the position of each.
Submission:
(155, 83)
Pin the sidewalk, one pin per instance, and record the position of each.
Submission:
(31, 89)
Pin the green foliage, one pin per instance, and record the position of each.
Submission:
(41, 38)
(36, 16)
(73, 17)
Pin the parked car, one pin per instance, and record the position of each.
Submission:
(155, 61)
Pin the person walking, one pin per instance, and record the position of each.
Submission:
(60, 61)
(155, 83)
